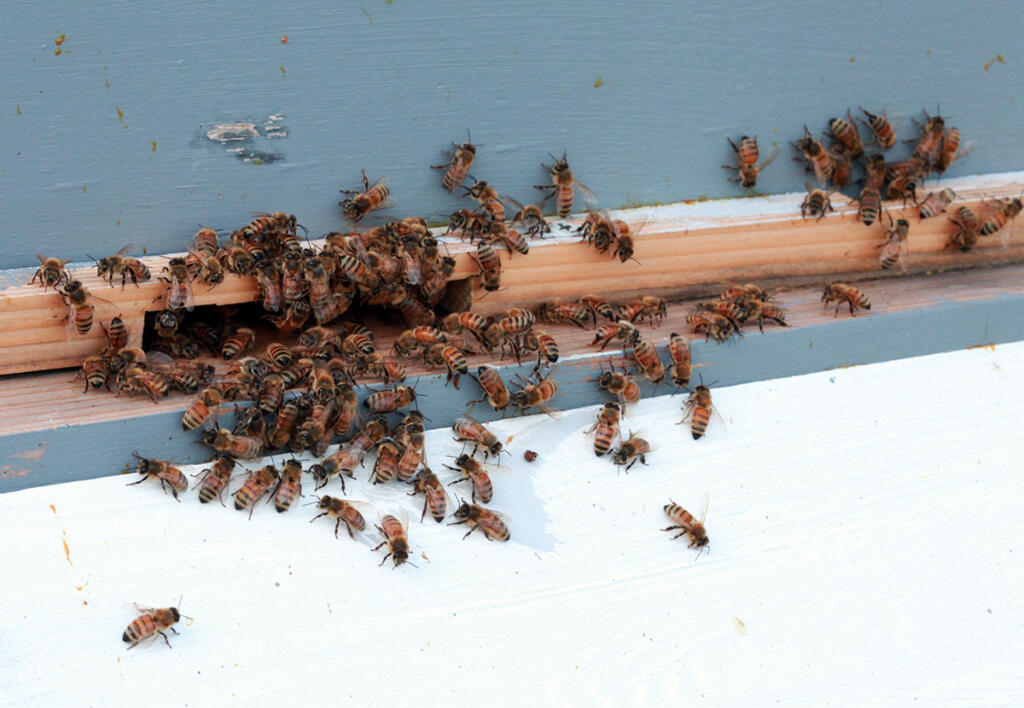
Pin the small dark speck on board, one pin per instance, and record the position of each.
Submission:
(599, 83)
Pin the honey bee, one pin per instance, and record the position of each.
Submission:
(125, 266)
(259, 483)
(267, 224)
(378, 366)
(599, 308)
(495, 391)
(136, 379)
(151, 622)
(840, 293)
(342, 463)
(647, 360)
(474, 473)
(999, 213)
(396, 537)
(344, 512)
(632, 449)
(881, 129)
(451, 358)
(563, 184)
(284, 424)
(951, 150)
(347, 403)
(895, 248)
(242, 447)
(682, 368)
(929, 144)
(169, 475)
(747, 155)
(691, 528)
(492, 525)
(466, 222)
(653, 309)
(619, 385)
(530, 217)
(488, 198)
(698, 410)
(470, 430)
(412, 310)
(458, 167)
(238, 343)
(575, 313)
(80, 307)
(206, 242)
(237, 260)
(842, 167)
(204, 410)
(606, 427)
(624, 331)
(51, 272)
(96, 372)
(845, 133)
(386, 466)
(271, 393)
(456, 322)
(489, 262)
(434, 497)
(535, 395)
(289, 486)
(513, 240)
(214, 480)
(374, 197)
(544, 344)
(761, 310)
(278, 354)
(935, 203)
(816, 154)
(411, 442)
(268, 277)
(179, 288)
(623, 240)
(816, 203)
(870, 200)
(389, 400)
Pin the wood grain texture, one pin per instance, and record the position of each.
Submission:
(57, 424)
(860, 553)
(108, 140)
(683, 249)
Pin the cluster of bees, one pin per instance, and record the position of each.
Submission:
(739, 305)
(935, 148)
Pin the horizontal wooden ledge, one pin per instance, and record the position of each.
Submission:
(681, 249)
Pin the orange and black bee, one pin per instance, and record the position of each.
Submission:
(214, 480)
(289, 487)
(495, 391)
(151, 622)
(457, 169)
(435, 499)
(204, 410)
(169, 475)
(692, 528)
(840, 293)
(606, 427)
(563, 184)
(258, 484)
(747, 167)
(493, 526)
(881, 129)
(816, 154)
(396, 537)
(51, 272)
(846, 134)
(374, 197)
(344, 512)
(125, 266)
(470, 430)
(698, 410)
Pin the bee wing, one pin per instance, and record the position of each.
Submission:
(518, 204)
(904, 254)
(70, 322)
(588, 196)
(967, 148)
(382, 182)
(688, 409)
(769, 158)
(714, 411)
(704, 508)
(124, 249)
(159, 360)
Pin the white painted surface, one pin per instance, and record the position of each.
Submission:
(865, 529)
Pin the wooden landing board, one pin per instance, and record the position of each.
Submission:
(56, 423)
(683, 249)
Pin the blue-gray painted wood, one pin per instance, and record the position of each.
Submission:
(89, 451)
(387, 84)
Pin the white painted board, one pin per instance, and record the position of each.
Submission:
(866, 547)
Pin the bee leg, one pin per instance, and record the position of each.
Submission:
(175, 631)
(166, 641)
(385, 558)
(132, 484)
(349, 527)
(336, 525)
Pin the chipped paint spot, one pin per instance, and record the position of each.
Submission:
(106, 83)
(35, 454)
(67, 551)
(53, 509)
(853, 59)
(998, 58)
(8, 472)
(599, 83)
(284, 40)
(60, 39)
(153, 143)
(237, 138)
(80, 587)
(230, 132)
(120, 113)
(740, 627)
(17, 109)
(366, 13)
(990, 347)
(283, 73)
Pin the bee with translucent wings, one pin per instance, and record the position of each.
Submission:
(396, 537)
(563, 186)
(692, 528)
(896, 247)
(698, 411)
(747, 167)
(179, 285)
(530, 217)
(374, 197)
(491, 523)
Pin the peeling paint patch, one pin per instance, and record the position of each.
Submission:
(8, 472)
(120, 113)
(36, 454)
(599, 83)
(998, 58)
(242, 139)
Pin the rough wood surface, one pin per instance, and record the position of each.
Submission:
(682, 249)
(860, 553)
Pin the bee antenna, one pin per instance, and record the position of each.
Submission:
(552, 157)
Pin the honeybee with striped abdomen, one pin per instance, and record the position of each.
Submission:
(214, 480)
(930, 142)
(489, 263)
(951, 150)
(390, 399)
(259, 483)
(386, 466)
(632, 449)
(458, 167)
(816, 203)
(492, 525)
(647, 360)
(624, 331)
(747, 155)
(563, 185)
(682, 368)
(870, 199)
(620, 385)
(896, 247)
(648, 307)
(243, 447)
(470, 430)
(179, 285)
(151, 622)
(691, 528)
(96, 372)
(168, 474)
(51, 272)
(289, 486)
(537, 340)
(80, 307)
(372, 198)
(435, 498)
(495, 391)
(396, 537)
(846, 134)
(530, 217)
(816, 154)
(238, 343)
(535, 395)
(999, 213)
(935, 203)
(344, 512)
(881, 129)
(840, 293)
(125, 266)
(474, 473)
(698, 411)
(204, 410)
(606, 428)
